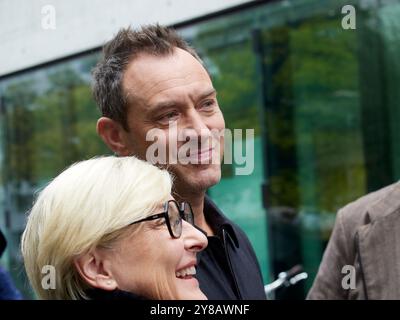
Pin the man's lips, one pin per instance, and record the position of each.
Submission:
(203, 156)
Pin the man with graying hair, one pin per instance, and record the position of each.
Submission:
(150, 80)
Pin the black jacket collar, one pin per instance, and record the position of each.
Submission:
(217, 220)
(3, 243)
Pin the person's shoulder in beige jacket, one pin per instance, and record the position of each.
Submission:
(366, 236)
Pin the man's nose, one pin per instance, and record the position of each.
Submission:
(195, 123)
(195, 127)
(194, 240)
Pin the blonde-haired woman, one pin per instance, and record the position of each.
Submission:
(111, 230)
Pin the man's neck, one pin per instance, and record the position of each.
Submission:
(197, 203)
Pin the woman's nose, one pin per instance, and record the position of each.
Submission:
(194, 240)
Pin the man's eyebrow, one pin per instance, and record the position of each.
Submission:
(162, 105)
(207, 93)
(172, 103)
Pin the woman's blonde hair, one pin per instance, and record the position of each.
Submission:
(82, 209)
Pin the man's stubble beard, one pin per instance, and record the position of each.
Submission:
(186, 186)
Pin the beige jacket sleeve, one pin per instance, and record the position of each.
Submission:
(328, 282)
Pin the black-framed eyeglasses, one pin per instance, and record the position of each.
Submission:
(173, 214)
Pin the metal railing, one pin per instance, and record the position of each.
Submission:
(285, 279)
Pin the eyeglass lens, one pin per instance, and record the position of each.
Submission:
(174, 219)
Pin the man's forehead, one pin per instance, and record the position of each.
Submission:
(175, 95)
(148, 75)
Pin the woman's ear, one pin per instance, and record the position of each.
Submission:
(94, 268)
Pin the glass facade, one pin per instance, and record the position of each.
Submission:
(322, 101)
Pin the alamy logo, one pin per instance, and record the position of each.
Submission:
(202, 148)
(49, 278)
(349, 280)
(48, 17)
(349, 20)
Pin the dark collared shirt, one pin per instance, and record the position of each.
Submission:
(228, 268)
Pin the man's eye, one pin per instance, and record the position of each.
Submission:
(208, 104)
(170, 116)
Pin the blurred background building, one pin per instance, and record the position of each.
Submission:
(323, 100)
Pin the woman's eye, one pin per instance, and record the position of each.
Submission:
(176, 222)
(160, 222)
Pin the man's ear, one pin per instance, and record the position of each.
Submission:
(95, 270)
(113, 135)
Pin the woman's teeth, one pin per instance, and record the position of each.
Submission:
(186, 272)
